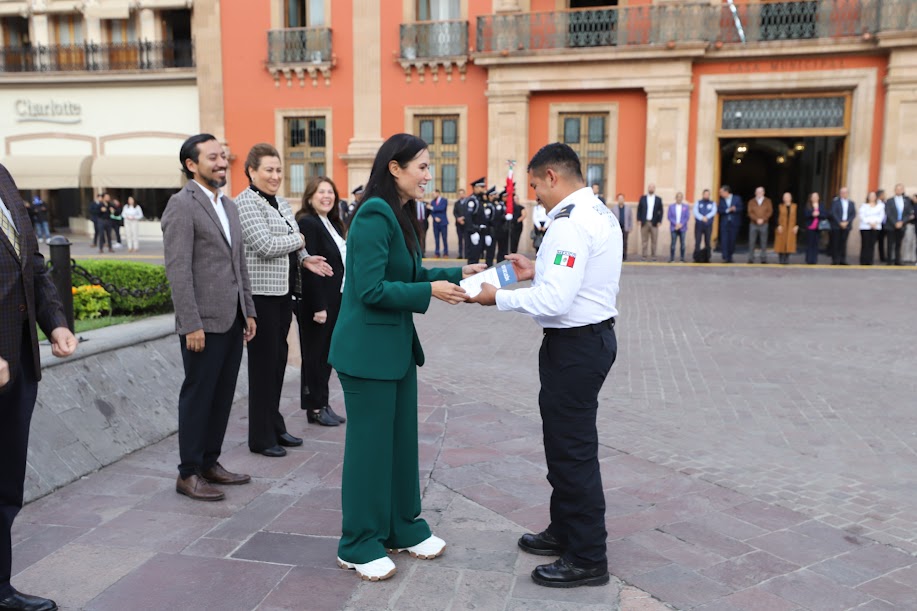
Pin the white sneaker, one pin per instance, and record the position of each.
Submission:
(377, 570)
(428, 549)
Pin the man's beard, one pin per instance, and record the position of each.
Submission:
(216, 183)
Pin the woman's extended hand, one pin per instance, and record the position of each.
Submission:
(317, 265)
(474, 268)
(448, 292)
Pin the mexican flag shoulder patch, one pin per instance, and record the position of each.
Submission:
(565, 258)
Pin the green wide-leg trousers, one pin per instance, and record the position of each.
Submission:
(380, 490)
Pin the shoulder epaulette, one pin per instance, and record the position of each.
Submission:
(565, 212)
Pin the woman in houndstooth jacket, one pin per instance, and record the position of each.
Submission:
(274, 252)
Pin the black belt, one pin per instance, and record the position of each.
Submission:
(579, 331)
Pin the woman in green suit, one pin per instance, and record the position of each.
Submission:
(376, 352)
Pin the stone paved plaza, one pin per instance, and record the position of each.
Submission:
(759, 451)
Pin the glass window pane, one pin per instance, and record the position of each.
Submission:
(317, 133)
(423, 10)
(316, 13)
(571, 130)
(450, 131)
(597, 129)
(296, 131)
(316, 169)
(595, 174)
(427, 131)
(449, 179)
(297, 177)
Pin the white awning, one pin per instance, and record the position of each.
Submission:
(113, 9)
(49, 171)
(137, 171)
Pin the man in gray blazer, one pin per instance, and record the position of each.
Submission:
(625, 219)
(214, 312)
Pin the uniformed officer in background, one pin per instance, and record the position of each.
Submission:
(487, 229)
(576, 277)
(474, 221)
(348, 209)
(518, 223)
(458, 213)
(501, 226)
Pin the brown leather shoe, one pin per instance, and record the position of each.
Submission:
(197, 488)
(218, 475)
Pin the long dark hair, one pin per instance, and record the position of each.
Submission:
(401, 148)
(334, 215)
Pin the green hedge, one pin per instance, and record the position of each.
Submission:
(129, 275)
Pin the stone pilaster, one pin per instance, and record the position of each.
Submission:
(205, 25)
(148, 29)
(668, 111)
(899, 156)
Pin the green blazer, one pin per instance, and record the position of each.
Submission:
(384, 284)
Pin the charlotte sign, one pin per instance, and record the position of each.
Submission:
(52, 111)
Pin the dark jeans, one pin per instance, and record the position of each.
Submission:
(868, 239)
(205, 399)
(839, 241)
(441, 232)
(18, 403)
(314, 345)
(728, 239)
(267, 362)
(572, 371)
(680, 236)
(103, 232)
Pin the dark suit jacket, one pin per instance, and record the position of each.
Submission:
(732, 217)
(837, 213)
(891, 212)
(374, 337)
(208, 275)
(438, 208)
(26, 290)
(657, 210)
(319, 292)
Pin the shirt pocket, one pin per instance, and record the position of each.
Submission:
(382, 317)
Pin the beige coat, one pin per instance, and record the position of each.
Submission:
(785, 237)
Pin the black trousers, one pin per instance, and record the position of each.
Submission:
(502, 238)
(489, 251)
(572, 371)
(103, 233)
(839, 242)
(267, 362)
(314, 345)
(728, 239)
(702, 232)
(868, 238)
(624, 236)
(812, 236)
(205, 399)
(895, 237)
(514, 237)
(18, 402)
(880, 240)
(460, 232)
(472, 251)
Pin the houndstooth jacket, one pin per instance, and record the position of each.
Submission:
(270, 236)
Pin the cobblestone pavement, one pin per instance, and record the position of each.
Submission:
(758, 452)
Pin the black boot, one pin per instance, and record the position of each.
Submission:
(321, 417)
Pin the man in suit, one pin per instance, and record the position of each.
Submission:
(730, 210)
(422, 215)
(438, 209)
(29, 297)
(679, 214)
(842, 213)
(898, 211)
(760, 211)
(625, 219)
(704, 213)
(458, 212)
(649, 215)
(214, 312)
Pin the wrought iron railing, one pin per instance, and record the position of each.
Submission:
(434, 39)
(660, 24)
(299, 46)
(96, 57)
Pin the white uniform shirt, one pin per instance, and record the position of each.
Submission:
(578, 267)
(217, 200)
(540, 217)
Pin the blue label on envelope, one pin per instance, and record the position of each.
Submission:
(506, 274)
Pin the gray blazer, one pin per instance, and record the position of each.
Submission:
(208, 275)
(269, 236)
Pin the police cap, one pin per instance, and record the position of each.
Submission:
(481, 182)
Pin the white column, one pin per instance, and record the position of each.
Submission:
(148, 29)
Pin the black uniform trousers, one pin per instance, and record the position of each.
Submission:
(267, 362)
(514, 237)
(314, 346)
(502, 238)
(205, 399)
(489, 251)
(839, 243)
(460, 232)
(572, 371)
(16, 406)
(474, 251)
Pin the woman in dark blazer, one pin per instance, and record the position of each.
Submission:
(376, 352)
(320, 222)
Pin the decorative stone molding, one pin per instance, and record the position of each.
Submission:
(299, 73)
(448, 64)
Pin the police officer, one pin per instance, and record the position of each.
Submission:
(573, 295)
(518, 222)
(488, 228)
(474, 221)
(347, 210)
(458, 212)
(501, 226)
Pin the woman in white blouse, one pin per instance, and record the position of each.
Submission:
(872, 215)
(540, 223)
(132, 215)
(320, 222)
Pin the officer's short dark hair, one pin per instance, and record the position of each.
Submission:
(191, 150)
(558, 156)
